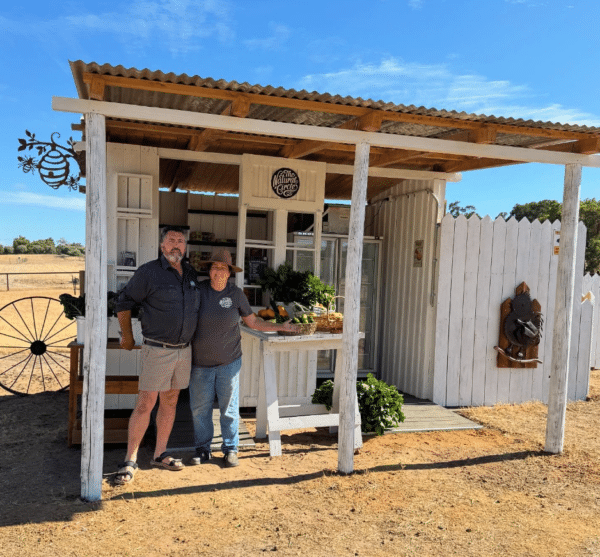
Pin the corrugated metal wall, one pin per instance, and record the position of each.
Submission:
(404, 215)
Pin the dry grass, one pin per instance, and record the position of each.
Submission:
(40, 264)
(29, 312)
(490, 492)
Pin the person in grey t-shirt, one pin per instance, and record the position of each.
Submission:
(217, 358)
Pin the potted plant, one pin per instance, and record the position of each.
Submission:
(74, 308)
(295, 287)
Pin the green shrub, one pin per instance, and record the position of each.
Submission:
(380, 404)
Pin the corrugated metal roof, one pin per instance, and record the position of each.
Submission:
(131, 86)
(195, 104)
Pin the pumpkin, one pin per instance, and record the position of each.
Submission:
(282, 311)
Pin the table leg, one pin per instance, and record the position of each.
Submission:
(272, 402)
(261, 407)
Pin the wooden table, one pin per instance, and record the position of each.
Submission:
(302, 413)
(115, 429)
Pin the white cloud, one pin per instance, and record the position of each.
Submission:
(276, 40)
(436, 86)
(75, 203)
(180, 25)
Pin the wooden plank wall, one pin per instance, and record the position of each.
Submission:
(481, 263)
(591, 284)
(131, 159)
(402, 215)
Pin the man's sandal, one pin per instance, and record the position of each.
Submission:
(171, 464)
(125, 473)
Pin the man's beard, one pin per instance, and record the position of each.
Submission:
(175, 256)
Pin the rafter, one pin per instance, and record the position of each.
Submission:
(331, 108)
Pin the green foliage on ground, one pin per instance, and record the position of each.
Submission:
(380, 404)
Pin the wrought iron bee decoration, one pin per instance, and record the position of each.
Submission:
(53, 164)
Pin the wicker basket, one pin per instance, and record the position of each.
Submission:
(304, 329)
(328, 324)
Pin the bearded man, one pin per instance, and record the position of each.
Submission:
(166, 289)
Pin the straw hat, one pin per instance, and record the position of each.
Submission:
(223, 256)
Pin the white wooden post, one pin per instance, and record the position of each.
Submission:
(94, 351)
(352, 309)
(563, 313)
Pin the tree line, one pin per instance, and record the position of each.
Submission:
(22, 245)
(549, 209)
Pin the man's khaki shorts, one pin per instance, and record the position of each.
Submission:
(164, 369)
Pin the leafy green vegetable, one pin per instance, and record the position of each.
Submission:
(287, 286)
(380, 404)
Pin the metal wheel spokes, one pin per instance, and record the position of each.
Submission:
(34, 339)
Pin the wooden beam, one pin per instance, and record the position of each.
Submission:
(563, 312)
(352, 310)
(240, 107)
(94, 351)
(97, 87)
(318, 106)
(248, 125)
(371, 122)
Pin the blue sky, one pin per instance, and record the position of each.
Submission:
(532, 59)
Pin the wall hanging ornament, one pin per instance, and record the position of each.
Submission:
(521, 324)
(53, 163)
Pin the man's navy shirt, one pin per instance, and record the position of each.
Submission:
(170, 301)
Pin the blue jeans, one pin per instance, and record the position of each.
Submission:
(205, 383)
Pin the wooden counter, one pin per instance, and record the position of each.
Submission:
(115, 429)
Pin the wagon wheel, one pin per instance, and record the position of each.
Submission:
(34, 338)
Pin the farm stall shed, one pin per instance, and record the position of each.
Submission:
(199, 135)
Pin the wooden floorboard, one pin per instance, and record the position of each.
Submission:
(420, 415)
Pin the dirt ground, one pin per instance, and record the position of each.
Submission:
(477, 492)
(482, 492)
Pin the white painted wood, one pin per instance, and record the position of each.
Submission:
(545, 273)
(592, 285)
(393, 173)
(456, 310)
(352, 310)
(268, 417)
(481, 343)
(557, 401)
(573, 380)
(495, 300)
(397, 173)
(520, 377)
(443, 311)
(94, 352)
(508, 254)
(465, 388)
(583, 362)
(248, 125)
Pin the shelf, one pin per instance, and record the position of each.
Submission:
(182, 226)
(225, 213)
(203, 243)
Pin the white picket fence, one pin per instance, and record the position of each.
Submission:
(591, 284)
(481, 263)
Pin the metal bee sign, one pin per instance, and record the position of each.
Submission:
(53, 163)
